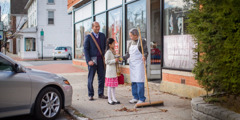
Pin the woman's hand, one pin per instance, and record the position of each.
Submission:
(116, 59)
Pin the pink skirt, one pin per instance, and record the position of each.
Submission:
(111, 82)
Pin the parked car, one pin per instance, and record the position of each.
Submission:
(62, 52)
(29, 91)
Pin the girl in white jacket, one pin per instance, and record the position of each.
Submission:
(111, 79)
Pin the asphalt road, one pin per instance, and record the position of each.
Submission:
(62, 116)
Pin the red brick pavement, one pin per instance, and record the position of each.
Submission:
(58, 68)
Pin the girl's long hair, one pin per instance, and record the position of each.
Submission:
(109, 41)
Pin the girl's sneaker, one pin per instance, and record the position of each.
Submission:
(133, 101)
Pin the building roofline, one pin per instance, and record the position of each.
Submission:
(28, 4)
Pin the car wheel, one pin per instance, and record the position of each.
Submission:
(69, 57)
(48, 104)
(54, 58)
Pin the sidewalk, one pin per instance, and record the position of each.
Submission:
(17, 58)
(177, 108)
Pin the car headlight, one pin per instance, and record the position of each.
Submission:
(66, 82)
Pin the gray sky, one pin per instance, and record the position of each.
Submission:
(5, 6)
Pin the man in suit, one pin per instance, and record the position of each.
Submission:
(95, 61)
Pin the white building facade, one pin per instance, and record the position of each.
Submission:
(50, 16)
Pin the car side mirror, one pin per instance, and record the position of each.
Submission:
(16, 68)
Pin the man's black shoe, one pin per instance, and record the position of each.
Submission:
(103, 97)
(91, 98)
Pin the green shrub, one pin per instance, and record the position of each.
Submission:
(216, 29)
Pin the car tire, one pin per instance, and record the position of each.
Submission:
(54, 58)
(69, 57)
(48, 98)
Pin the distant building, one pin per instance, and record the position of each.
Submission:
(18, 16)
(50, 16)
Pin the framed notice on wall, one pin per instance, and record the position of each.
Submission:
(178, 52)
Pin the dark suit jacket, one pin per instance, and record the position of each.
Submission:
(90, 49)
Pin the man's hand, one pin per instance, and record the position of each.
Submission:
(90, 63)
(144, 59)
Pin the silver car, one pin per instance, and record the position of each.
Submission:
(62, 52)
(28, 91)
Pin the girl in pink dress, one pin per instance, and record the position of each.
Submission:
(111, 79)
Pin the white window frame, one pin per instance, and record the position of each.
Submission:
(50, 18)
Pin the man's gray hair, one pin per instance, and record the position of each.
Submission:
(134, 31)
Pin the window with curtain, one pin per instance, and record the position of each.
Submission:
(99, 6)
(114, 3)
(50, 17)
(83, 13)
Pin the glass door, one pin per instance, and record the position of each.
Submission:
(154, 64)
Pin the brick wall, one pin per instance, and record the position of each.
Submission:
(180, 77)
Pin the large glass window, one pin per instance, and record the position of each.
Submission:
(99, 6)
(30, 44)
(101, 19)
(81, 29)
(114, 3)
(83, 13)
(115, 27)
(136, 18)
(178, 45)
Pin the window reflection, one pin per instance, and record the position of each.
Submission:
(174, 16)
(136, 17)
(115, 27)
(101, 19)
(81, 29)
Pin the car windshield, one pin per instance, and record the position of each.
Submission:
(60, 48)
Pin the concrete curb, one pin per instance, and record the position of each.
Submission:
(204, 111)
(71, 112)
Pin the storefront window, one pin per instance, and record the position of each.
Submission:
(115, 27)
(83, 13)
(30, 44)
(136, 18)
(114, 3)
(81, 29)
(178, 45)
(156, 42)
(101, 19)
(99, 6)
